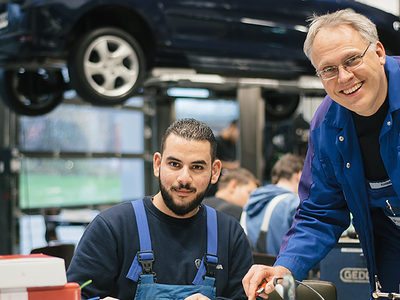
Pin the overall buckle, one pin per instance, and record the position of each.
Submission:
(146, 259)
(210, 262)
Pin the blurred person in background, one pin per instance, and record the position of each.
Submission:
(270, 210)
(233, 191)
(226, 151)
(227, 146)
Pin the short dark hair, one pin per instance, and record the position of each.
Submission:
(286, 166)
(234, 122)
(191, 129)
(243, 176)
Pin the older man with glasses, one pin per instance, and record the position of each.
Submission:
(353, 159)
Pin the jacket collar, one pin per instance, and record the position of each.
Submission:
(392, 68)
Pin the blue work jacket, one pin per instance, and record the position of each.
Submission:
(333, 182)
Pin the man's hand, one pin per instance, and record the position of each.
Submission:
(197, 296)
(257, 274)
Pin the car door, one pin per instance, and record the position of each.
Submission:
(198, 26)
(238, 35)
(272, 33)
(270, 29)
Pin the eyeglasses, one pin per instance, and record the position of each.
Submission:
(349, 64)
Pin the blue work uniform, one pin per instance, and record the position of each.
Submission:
(141, 270)
(386, 224)
(281, 217)
(333, 185)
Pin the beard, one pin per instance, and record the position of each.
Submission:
(181, 209)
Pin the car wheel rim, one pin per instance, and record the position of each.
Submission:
(111, 66)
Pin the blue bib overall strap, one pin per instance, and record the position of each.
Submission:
(143, 262)
(209, 262)
(147, 288)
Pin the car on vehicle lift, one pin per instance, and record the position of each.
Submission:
(110, 46)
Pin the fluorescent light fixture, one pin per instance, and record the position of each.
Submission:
(184, 92)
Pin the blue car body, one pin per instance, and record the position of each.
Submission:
(230, 37)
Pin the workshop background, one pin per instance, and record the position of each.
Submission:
(76, 138)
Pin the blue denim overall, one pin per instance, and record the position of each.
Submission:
(141, 269)
(385, 213)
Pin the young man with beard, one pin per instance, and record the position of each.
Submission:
(168, 246)
(353, 158)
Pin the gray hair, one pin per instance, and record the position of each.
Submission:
(191, 129)
(359, 22)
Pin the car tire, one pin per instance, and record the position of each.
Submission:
(31, 92)
(101, 76)
(280, 106)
